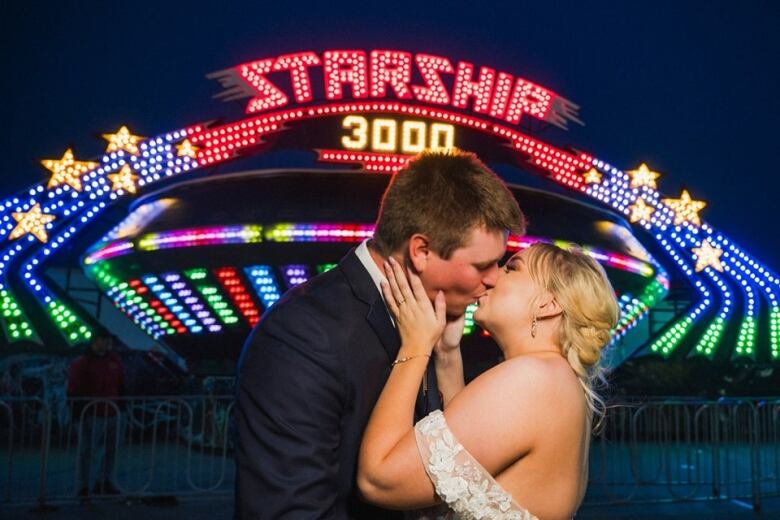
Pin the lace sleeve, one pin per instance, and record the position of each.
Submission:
(467, 488)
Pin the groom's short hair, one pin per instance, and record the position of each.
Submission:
(443, 194)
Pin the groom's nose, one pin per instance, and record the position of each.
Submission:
(490, 276)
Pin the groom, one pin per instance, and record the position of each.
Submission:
(312, 369)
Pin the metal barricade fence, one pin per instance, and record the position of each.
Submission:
(674, 450)
(651, 451)
(136, 446)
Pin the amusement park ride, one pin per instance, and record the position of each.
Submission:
(194, 258)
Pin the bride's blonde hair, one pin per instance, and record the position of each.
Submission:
(590, 309)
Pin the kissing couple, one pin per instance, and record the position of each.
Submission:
(351, 399)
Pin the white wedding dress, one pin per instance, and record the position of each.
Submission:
(469, 491)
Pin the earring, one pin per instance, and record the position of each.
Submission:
(533, 328)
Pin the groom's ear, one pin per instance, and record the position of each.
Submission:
(418, 251)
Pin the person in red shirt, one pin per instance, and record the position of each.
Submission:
(95, 380)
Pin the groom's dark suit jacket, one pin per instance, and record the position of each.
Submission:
(309, 376)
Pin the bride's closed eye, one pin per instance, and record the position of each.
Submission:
(511, 265)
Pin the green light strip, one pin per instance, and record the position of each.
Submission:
(72, 328)
(746, 340)
(211, 293)
(133, 298)
(468, 326)
(670, 339)
(126, 297)
(774, 332)
(324, 268)
(651, 294)
(711, 338)
(16, 325)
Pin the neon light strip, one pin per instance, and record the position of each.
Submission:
(615, 260)
(318, 232)
(159, 307)
(295, 274)
(223, 142)
(211, 294)
(763, 282)
(673, 335)
(634, 309)
(238, 292)
(73, 217)
(185, 294)
(264, 282)
(369, 161)
(336, 233)
(126, 299)
(194, 237)
(116, 249)
(133, 305)
(711, 338)
(170, 301)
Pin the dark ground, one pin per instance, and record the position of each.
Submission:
(222, 508)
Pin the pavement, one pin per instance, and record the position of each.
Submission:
(221, 508)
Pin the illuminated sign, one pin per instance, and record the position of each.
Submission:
(376, 74)
(371, 109)
(382, 135)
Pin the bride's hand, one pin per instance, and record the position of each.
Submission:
(420, 324)
(451, 336)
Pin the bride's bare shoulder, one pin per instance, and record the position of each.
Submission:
(528, 386)
(515, 403)
(530, 372)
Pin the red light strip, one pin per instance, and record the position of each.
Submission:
(224, 142)
(239, 295)
(370, 161)
(158, 306)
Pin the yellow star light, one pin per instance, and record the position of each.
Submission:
(123, 140)
(641, 211)
(643, 176)
(685, 209)
(186, 149)
(67, 170)
(33, 221)
(592, 176)
(708, 256)
(124, 180)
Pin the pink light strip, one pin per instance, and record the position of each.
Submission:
(336, 232)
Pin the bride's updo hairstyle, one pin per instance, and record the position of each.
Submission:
(590, 310)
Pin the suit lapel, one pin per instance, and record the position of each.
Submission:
(378, 318)
(365, 290)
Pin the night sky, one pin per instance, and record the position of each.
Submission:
(691, 88)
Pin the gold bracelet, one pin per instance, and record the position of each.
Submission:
(404, 359)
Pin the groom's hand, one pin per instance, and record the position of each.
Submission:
(450, 338)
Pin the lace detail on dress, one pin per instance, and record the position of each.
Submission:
(467, 488)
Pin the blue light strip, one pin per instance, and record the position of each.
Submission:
(167, 297)
(264, 283)
(295, 274)
(176, 283)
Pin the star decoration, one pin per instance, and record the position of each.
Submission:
(124, 180)
(33, 221)
(643, 176)
(685, 209)
(67, 170)
(186, 149)
(641, 211)
(708, 256)
(592, 176)
(123, 140)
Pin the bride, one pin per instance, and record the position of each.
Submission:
(514, 442)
